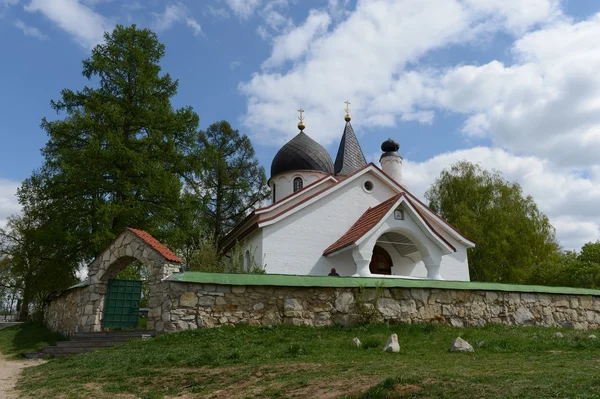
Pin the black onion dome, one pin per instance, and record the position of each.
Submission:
(302, 153)
(390, 146)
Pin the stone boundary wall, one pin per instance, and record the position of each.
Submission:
(188, 305)
(60, 313)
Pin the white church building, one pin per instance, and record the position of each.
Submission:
(349, 215)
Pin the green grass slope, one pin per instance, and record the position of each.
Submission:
(302, 362)
(17, 340)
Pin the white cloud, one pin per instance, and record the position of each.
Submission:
(569, 200)
(365, 58)
(295, 44)
(85, 25)
(176, 13)
(29, 30)
(8, 3)
(338, 9)
(243, 8)
(8, 200)
(234, 64)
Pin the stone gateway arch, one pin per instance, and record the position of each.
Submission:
(129, 246)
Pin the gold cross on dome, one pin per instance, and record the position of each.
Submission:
(347, 107)
(301, 117)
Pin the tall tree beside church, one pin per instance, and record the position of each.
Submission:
(513, 237)
(116, 157)
(229, 181)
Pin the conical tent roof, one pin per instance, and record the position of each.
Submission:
(349, 156)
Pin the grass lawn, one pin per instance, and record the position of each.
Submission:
(17, 340)
(302, 362)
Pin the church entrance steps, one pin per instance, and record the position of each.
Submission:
(88, 342)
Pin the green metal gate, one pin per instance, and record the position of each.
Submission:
(122, 303)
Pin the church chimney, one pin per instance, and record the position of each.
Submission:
(391, 161)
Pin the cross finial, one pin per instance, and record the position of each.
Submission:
(347, 118)
(301, 118)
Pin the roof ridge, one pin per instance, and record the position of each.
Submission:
(350, 236)
(156, 245)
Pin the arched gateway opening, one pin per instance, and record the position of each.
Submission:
(113, 303)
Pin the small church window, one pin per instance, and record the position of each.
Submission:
(368, 186)
(298, 184)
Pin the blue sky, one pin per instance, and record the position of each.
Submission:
(510, 84)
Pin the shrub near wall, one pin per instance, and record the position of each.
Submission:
(196, 305)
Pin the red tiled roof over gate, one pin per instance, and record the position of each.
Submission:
(156, 245)
(366, 222)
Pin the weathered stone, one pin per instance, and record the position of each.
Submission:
(238, 289)
(291, 304)
(392, 344)
(224, 288)
(524, 317)
(344, 302)
(292, 313)
(389, 308)
(188, 299)
(220, 301)
(558, 335)
(206, 301)
(258, 306)
(271, 318)
(592, 336)
(209, 287)
(460, 345)
(356, 342)
(456, 322)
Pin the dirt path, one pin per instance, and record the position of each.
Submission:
(10, 370)
(9, 374)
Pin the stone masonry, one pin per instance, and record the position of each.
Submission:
(192, 305)
(126, 248)
(60, 314)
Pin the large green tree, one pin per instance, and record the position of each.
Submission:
(116, 155)
(34, 261)
(228, 181)
(513, 237)
(572, 269)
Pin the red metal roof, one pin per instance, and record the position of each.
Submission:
(366, 222)
(156, 245)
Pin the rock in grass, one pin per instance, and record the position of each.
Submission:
(558, 335)
(460, 345)
(592, 336)
(392, 344)
(356, 342)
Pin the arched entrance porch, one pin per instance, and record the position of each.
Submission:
(412, 254)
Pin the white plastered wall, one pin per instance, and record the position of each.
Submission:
(284, 183)
(254, 244)
(295, 244)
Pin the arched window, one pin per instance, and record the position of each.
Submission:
(274, 192)
(298, 184)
